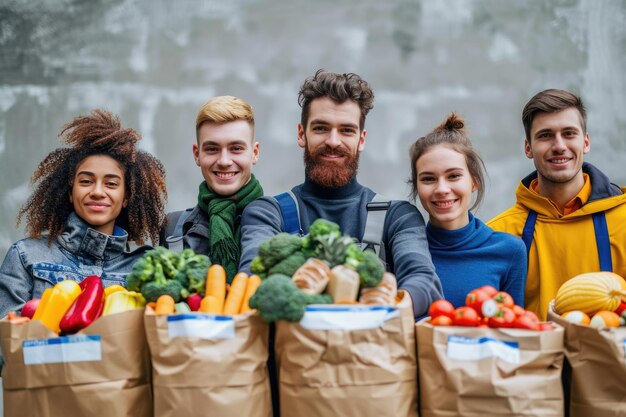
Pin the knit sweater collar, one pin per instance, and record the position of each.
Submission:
(320, 191)
(472, 235)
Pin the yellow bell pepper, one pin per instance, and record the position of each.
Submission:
(55, 302)
(113, 288)
(121, 301)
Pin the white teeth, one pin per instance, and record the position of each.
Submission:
(559, 161)
(443, 204)
(225, 175)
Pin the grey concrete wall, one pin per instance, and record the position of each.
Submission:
(155, 62)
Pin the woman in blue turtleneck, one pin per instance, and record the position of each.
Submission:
(445, 171)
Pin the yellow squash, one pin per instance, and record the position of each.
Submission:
(590, 293)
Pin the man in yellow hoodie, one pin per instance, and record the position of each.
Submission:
(570, 216)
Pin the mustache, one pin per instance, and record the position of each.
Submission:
(327, 150)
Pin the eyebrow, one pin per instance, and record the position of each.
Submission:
(324, 122)
(446, 171)
(91, 174)
(547, 130)
(233, 142)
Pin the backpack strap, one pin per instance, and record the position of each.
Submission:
(600, 229)
(375, 225)
(290, 212)
(174, 237)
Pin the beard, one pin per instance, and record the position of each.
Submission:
(327, 173)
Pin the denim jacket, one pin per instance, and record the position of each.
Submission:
(31, 265)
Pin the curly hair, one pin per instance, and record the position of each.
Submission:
(337, 87)
(98, 133)
(452, 133)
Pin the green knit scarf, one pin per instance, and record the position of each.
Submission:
(224, 229)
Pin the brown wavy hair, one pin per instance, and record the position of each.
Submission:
(98, 133)
(452, 133)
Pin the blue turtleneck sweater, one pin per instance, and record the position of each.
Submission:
(474, 256)
(404, 232)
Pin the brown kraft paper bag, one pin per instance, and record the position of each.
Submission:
(470, 371)
(597, 372)
(366, 373)
(207, 365)
(116, 385)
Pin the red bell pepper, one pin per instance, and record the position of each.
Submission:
(86, 308)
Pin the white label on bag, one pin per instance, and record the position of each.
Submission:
(202, 326)
(83, 348)
(473, 349)
(339, 317)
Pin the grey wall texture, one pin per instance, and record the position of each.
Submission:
(155, 62)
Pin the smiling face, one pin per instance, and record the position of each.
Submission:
(332, 141)
(98, 192)
(557, 145)
(445, 186)
(225, 153)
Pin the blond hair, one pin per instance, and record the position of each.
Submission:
(224, 109)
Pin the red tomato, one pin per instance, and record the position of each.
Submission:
(504, 298)
(475, 299)
(441, 308)
(490, 290)
(441, 321)
(466, 316)
(526, 322)
(503, 318)
(545, 326)
(518, 310)
(531, 315)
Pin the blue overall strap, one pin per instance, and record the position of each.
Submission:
(529, 230)
(290, 212)
(602, 241)
(600, 229)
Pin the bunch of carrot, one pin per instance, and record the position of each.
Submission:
(217, 299)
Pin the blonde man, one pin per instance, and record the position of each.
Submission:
(225, 151)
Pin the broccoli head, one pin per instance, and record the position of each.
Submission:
(320, 230)
(142, 271)
(257, 267)
(160, 285)
(278, 248)
(290, 265)
(370, 269)
(278, 298)
(319, 299)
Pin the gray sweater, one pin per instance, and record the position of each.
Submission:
(404, 233)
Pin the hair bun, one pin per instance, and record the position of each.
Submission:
(454, 122)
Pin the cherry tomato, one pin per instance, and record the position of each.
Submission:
(527, 321)
(531, 315)
(490, 290)
(504, 318)
(441, 321)
(441, 308)
(545, 326)
(476, 298)
(518, 310)
(466, 316)
(504, 298)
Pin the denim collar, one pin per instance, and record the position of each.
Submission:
(80, 239)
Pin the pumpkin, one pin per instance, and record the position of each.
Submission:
(590, 292)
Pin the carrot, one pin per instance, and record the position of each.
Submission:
(151, 304)
(216, 284)
(210, 304)
(164, 305)
(11, 315)
(236, 294)
(253, 283)
(19, 320)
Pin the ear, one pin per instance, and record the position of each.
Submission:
(255, 152)
(587, 146)
(196, 153)
(301, 136)
(527, 149)
(125, 203)
(362, 140)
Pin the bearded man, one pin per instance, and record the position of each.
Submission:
(332, 134)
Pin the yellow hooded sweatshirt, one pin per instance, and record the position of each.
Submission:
(564, 246)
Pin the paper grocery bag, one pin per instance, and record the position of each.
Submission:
(597, 377)
(350, 363)
(209, 365)
(470, 371)
(102, 371)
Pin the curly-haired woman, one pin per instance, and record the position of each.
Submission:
(90, 199)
